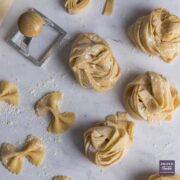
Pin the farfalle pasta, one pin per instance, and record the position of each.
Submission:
(93, 63)
(49, 105)
(62, 178)
(151, 97)
(9, 93)
(157, 34)
(158, 177)
(13, 159)
(106, 143)
(77, 6)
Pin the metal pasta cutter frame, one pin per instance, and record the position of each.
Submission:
(12, 40)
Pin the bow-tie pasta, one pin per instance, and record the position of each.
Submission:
(93, 63)
(49, 105)
(9, 93)
(108, 142)
(158, 177)
(13, 158)
(77, 6)
(61, 178)
(151, 97)
(157, 34)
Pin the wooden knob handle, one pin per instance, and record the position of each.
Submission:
(30, 24)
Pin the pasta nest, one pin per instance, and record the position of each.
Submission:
(93, 63)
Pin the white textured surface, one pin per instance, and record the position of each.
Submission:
(65, 153)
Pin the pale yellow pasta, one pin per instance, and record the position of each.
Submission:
(109, 7)
(9, 93)
(93, 63)
(157, 34)
(77, 6)
(158, 177)
(62, 178)
(106, 143)
(4, 9)
(13, 159)
(151, 97)
(49, 105)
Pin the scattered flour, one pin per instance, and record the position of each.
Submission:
(6, 108)
(51, 81)
(11, 112)
(7, 112)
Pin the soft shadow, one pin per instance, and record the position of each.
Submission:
(64, 55)
(77, 134)
(136, 13)
(62, 3)
(124, 81)
(11, 31)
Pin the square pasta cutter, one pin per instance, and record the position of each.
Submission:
(30, 27)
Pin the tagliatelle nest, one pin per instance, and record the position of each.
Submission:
(151, 97)
(157, 34)
(77, 6)
(93, 63)
(108, 142)
(62, 178)
(158, 177)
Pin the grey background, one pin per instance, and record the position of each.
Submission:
(153, 142)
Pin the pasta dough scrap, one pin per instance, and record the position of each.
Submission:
(93, 63)
(109, 7)
(9, 93)
(4, 9)
(62, 178)
(157, 34)
(77, 6)
(158, 177)
(49, 105)
(151, 97)
(13, 159)
(108, 142)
